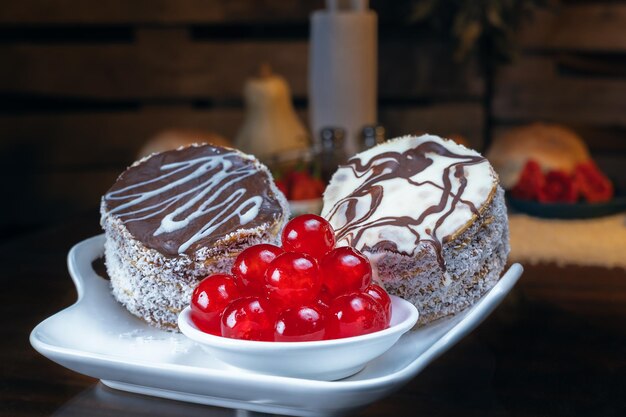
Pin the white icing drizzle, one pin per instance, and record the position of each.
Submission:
(211, 192)
(361, 222)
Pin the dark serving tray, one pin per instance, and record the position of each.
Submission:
(579, 210)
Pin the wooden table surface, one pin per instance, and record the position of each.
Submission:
(555, 347)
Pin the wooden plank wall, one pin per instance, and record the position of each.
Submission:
(572, 70)
(84, 83)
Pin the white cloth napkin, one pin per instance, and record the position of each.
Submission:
(588, 242)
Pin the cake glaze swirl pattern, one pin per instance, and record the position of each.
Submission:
(430, 215)
(175, 217)
(176, 206)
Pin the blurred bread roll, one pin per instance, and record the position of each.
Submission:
(553, 146)
(460, 139)
(175, 138)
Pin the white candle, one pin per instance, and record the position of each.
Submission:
(343, 69)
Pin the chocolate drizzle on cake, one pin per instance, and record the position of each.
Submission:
(362, 210)
(178, 201)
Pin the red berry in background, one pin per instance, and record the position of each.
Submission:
(306, 187)
(292, 279)
(301, 189)
(300, 324)
(297, 175)
(345, 270)
(379, 294)
(318, 186)
(282, 186)
(558, 187)
(353, 315)
(248, 318)
(530, 183)
(250, 266)
(209, 299)
(592, 184)
(310, 234)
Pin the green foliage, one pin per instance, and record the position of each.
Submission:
(484, 26)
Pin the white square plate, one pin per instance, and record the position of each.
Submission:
(98, 337)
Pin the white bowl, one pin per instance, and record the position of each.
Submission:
(326, 360)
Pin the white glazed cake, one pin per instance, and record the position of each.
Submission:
(175, 217)
(431, 217)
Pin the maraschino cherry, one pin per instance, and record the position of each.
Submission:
(379, 294)
(306, 290)
(292, 279)
(300, 324)
(353, 315)
(310, 234)
(345, 270)
(209, 299)
(249, 267)
(249, 318)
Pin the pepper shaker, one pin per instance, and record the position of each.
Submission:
(332, 152)
(372, 135)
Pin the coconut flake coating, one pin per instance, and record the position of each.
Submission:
(474, 262)
(430, 216)
(156, 286)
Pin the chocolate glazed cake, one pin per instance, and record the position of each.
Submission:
(431, 217)
(175, 217)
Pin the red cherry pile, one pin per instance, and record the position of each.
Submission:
(586, 182)
(307, 290)
(299, 184)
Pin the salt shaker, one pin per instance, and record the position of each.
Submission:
(332, 152)
(372, 135)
